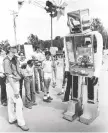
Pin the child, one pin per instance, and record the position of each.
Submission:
(47, 75)
(30, 95)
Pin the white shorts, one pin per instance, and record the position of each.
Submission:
(47, 75)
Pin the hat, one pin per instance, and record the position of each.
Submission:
(12, 49)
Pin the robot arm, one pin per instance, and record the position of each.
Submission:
(98, 55)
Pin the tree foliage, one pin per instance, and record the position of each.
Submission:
(33, 39)
(58, 42)
(4, 44)
(97, 25)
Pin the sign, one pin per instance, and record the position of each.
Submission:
(28, 51)
(53, 50)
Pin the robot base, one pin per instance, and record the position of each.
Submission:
(90, 113)
(74, 110)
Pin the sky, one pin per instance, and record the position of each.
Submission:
(35, 20)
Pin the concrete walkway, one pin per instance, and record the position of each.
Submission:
(48, 117)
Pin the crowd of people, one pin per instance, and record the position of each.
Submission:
(35, 74)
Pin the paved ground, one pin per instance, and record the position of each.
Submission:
(48, 117)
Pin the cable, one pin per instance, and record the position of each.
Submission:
(54, 2)
(41, 2)
(39, 5)
(60, 2)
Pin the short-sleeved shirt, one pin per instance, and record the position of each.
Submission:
(39, 56)
(47, 66)
(7, 66)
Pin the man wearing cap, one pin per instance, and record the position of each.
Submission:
(2, 79)
(12, 89)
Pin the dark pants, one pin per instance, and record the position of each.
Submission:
(89, 84)
(69, 87)
(3, 90)
(21, 85)
(90, 89)
(75, 87)
(30, 95)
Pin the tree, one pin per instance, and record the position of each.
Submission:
(58, 42)
(41, 44)
(33, 40)
(26, 43)
(47, 44)
(57, 38)
(4, 44)
(98, 26)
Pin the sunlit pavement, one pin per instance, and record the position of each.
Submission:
(48, 117)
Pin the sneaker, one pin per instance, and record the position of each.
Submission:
(13, 122)
(46, 100)
(50, 98)
(24, 128)
(34, 103)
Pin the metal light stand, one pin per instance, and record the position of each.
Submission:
(15, 15)
(51, 31)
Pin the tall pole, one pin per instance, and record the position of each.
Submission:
(51, 31)
(15, 14)
(14, 22)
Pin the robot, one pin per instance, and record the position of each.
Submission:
(84, 50)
